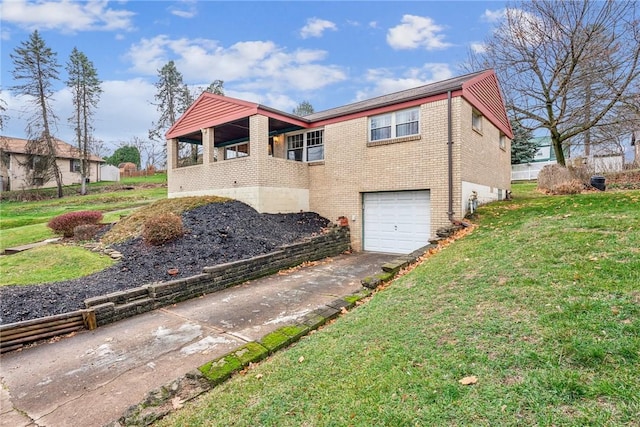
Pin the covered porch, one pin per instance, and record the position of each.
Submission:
(232, 148)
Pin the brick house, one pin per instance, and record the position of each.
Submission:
(16, 165)
(398, 166)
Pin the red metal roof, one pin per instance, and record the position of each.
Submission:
(481, 89)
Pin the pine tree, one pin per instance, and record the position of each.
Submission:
(303, 109)
(172, 99)
(36, 67)
(523, 146)
(85, 87)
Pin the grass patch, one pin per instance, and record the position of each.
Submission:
(23, 235)
(18, 214)
(540, 303)
(50, 263)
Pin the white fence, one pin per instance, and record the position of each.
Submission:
(528, 171)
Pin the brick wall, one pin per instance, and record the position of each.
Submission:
(352, 166)
(482, 159)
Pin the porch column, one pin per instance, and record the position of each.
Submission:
(258, 136)
(208, 149)
(172, 153)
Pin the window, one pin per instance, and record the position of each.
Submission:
(476, 121)
(236, 151)
(315, 147)
(306, 147)
(395, 125)
(503, 141)
(37, 163)
(295, 147)
(75, 165)
(6, 159)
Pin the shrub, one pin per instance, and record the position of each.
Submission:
(86, 231)
(556, 179)
(64, 224)
(572, 187)
(162, 228)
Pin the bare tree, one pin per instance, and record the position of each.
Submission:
(566, 66)
(3, 117)
(36, 66)
(85, 88)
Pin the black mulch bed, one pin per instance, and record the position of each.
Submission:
(216, 233)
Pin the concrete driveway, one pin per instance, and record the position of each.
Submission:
(90, 379)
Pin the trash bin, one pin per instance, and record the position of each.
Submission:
(598, 182)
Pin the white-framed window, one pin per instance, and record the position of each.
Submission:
(503, 141)
(306, 146)
(394, 125)
(236, 151)
(75, 165)
(476, 121)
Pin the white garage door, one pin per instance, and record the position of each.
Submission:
(396, 222)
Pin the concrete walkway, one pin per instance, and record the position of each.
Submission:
(90, 379)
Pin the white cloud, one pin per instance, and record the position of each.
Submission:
(66, 15)
(316, 27)
(478, 47)
(417, 32)
(383, 81)
(185, 9)
(113, 123)
(247, 64)
(493, 16)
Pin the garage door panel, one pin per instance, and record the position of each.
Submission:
(396, 222)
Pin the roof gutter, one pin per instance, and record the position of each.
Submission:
(450, 155)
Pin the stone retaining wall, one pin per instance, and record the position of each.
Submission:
(120, 305)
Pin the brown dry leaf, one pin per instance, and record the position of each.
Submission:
(176, 402)
(469, 380)
(259, 376)
(343, 310)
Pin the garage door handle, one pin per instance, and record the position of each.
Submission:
(395, 228)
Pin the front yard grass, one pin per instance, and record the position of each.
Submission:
(540, 303)
(26, 222)
(50, 263)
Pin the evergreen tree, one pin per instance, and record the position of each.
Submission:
(85, 88)
(36, 68)
(303, 109)
(523, 146)
(217, 87)
(172, 99)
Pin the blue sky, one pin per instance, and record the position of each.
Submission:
(275, 53)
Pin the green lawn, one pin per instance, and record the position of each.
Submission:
(50, 263)
(25, 222)
(540, 303)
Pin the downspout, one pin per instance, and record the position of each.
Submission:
(450, 155)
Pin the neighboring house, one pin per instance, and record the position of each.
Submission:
(543, 157)
(398, 166)
(16, 164)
